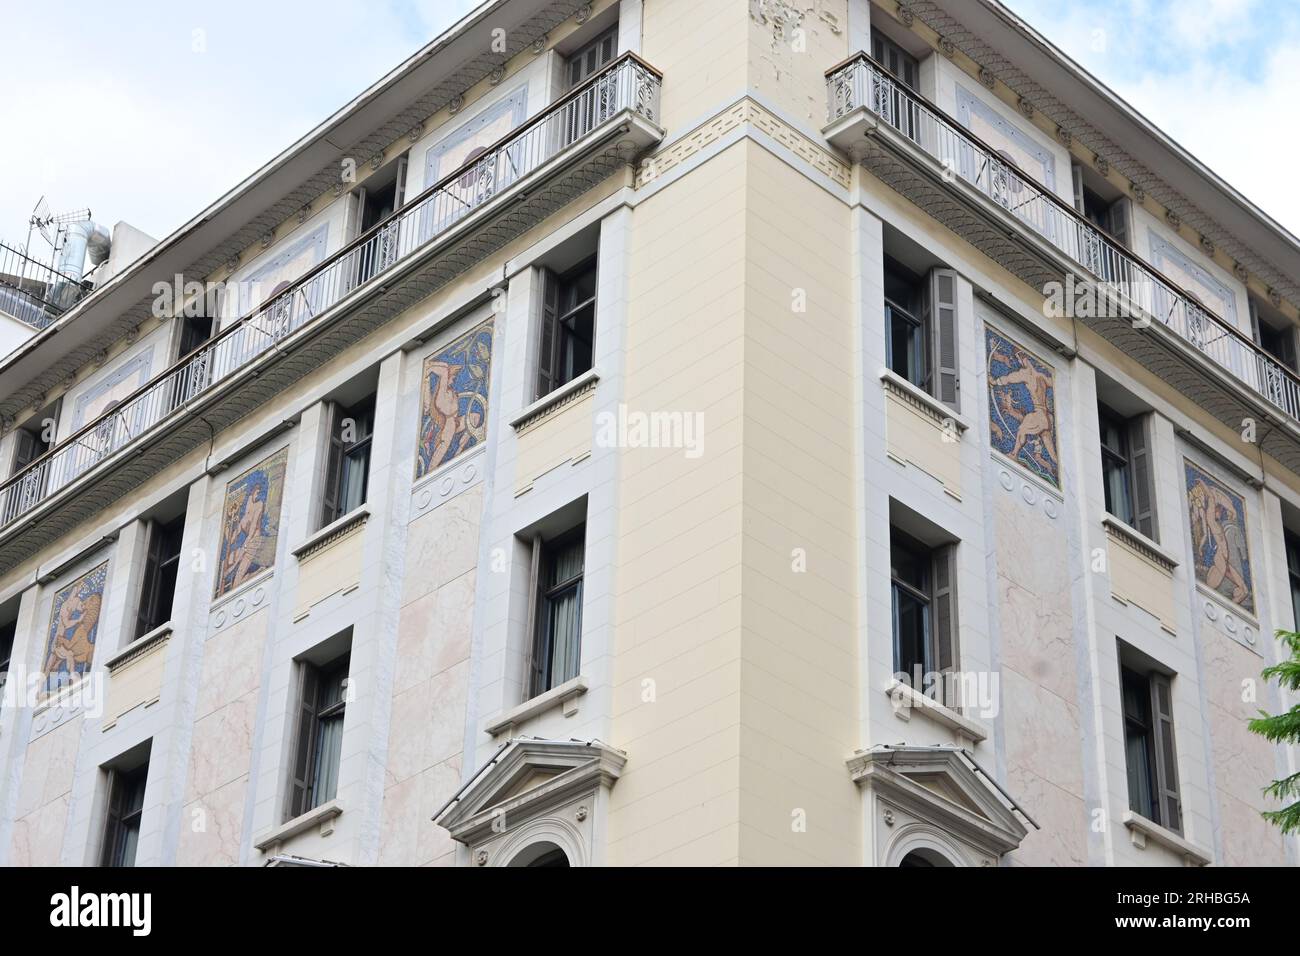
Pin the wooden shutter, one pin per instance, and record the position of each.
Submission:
(147, 611)
(301, 769)
(1144, 486)
(26, 449)
(533, 659)
(944, 629)
(1117, 221)
(1162, 715)
(333, 467)
(547, 349)
(943, 337)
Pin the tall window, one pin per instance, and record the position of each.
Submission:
(568, 326)
(592, 58)
(895, 59)
(924, 593)
(7, 634)
(1126, 471)
(921, 330)
(162, 560)
(347, 472)
(319, 744)
(125, 808)
(1292, 573)
(1149, 745)
(557, 630)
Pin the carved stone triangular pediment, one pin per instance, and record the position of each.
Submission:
(527, 778)
(938, 785)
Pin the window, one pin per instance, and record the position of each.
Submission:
(195, 330)
(1292, 573)
(557, 626)
(921, 330)
(125, 808)
(162, 560)
(923, 584)
(1149, 744)
(592, 58)
(568, 326)
(319, 740)
(347, 470)
(31, 440)
(895, 59)
(7, 634)
(1278, 342)
(1126, 470)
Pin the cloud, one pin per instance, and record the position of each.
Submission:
(1217, 76)
(149, 112)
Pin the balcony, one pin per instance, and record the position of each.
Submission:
(32, 292)
(547, 161)
(965, 184)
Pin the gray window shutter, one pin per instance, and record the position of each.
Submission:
(1076, 174)
(333, 467)
(1117, 221)
(305, 745)
(1162, 712)
(1144, 486)
(546, 343)
(944, 630)
(533, 659)
(943, 337)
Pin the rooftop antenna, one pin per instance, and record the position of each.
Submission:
(51, 226)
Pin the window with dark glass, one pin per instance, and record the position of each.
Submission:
(924, 610)
(1126, 469)
(1292, 573)
(557, 638)
(7, 634)
(319, 744)
(125, 808)
(921, 329)
(568, 326)
(162, 561)
(1149, 749)
(347, 471)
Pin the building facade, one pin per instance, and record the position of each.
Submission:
(649, 432)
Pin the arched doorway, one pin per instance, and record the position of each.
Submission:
(540, 854)
(923, 857)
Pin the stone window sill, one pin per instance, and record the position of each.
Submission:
(908, 701)
(322, 816)
(563, 695)
(335, 529)
(1141, 830)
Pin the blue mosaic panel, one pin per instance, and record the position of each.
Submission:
(1022, 406)
(1220, 552)
(454, 399)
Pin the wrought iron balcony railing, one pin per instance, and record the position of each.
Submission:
(28, 287)
(1137, 288)
(626, 85)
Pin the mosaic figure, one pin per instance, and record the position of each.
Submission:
(250, 522)
(1221, 553)
(1022, 406)
(454, 399)
(74, 626)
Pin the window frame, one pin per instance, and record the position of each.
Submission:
(118, 824)
(559, 306)
(1159, 743)
(883, 47)
(576, 72)
(313, 710)
(938, 599)
(157, 566)
(543, 596)
(342, 457)
(8, 637)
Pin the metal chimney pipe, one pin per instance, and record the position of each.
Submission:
(80, 240)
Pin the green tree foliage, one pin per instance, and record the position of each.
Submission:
(1283, 728)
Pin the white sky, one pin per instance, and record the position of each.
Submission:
(147, 111)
